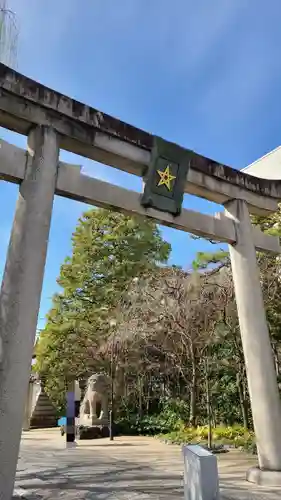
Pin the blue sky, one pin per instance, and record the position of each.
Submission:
(205, 74)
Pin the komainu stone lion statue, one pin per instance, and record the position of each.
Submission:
(96, 395)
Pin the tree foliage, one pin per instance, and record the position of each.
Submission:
(108, 251)
(175, 343)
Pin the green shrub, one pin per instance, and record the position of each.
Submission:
(174, 411)
(235, 436)
(172, 416)
(171, 428)
(146, 426)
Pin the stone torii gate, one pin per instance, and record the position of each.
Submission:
(53, 121)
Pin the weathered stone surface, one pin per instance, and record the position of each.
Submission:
(264, 477)
(44, 413)
(94, 407)
(88, 131)
(261, 374)
(21, 291)
(92, 432)
(201, 480)
(20, 494)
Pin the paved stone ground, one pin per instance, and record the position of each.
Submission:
(125, 469)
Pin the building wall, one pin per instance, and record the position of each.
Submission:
(267, 167)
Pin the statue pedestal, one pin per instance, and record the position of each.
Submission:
(92, 427)
(88, 421)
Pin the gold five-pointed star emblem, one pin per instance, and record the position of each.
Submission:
(166, 178)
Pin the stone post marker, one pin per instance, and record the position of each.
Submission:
(264, 394)
(201, 480)
(21, 291)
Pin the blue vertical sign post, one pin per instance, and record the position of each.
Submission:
(70, 413)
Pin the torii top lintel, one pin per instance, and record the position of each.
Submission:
(96, 135)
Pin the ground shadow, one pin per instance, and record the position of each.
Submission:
(126, 478)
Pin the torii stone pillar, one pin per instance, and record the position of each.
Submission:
(262, 381)
(21, 292)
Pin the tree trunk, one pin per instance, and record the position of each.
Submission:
(140, 396)
(243, 401)
(193, 389)
(208, 401)
(147, 397)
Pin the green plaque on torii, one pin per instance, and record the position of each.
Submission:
(166, 177)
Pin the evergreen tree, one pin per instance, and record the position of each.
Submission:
(109, 250)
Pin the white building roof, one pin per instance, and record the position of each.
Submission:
(266, 167)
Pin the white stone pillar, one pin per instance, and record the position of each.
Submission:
(263, 389)
(21, 292)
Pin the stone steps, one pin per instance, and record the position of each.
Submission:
(44, 413)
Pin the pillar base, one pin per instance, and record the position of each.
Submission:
(264, 477)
